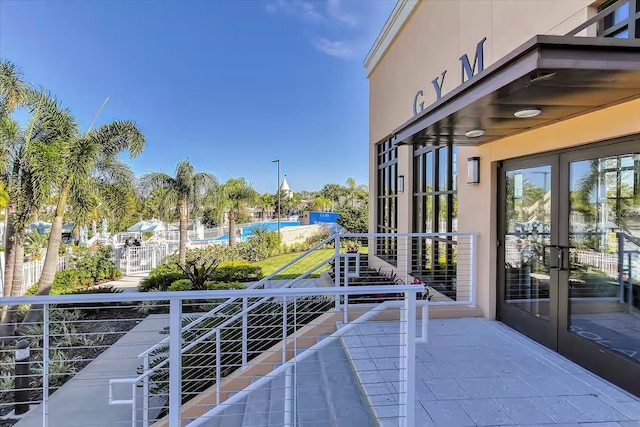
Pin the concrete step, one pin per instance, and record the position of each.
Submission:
(344, 396)
(327, 395)
(256, 412)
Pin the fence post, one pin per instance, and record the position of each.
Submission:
(245, 325)
(336, 270)
(45, 365)
(127, 253)
(145, 392)
(621, 267)
(218, 367)
(408, 361)
(288, 398)
(175, 355)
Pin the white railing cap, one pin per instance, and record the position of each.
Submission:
(215, 294)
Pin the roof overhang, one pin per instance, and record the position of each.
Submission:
(561, 75)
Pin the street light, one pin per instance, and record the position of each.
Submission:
(278, 189)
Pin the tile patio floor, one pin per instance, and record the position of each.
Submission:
(475, 372)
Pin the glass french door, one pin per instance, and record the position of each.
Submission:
(569, 258)
(528, 295)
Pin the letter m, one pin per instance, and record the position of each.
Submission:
(478, 61)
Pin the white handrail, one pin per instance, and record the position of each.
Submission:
(222, 325)
(219, 307)
(264, 380)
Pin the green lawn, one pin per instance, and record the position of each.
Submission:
(270, 265)
(305, 264)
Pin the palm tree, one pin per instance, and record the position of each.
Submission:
(34, 154)
(89, 163)
(238, 193)
(185, 191)
(320, 204)
(265, 203)
(14, 92)
(356, 192)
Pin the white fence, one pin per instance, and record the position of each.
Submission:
(141, 259)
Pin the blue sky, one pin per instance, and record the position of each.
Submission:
(231, 85)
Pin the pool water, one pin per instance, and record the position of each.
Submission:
(250, 229)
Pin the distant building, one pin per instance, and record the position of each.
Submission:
(284, 187)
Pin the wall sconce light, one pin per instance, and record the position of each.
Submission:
(473, 170)
(400, 183)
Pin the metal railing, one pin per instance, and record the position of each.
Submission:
(57, 383)
(625, 28)
(629, 271)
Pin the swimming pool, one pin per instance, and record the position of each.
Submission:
(249, 230)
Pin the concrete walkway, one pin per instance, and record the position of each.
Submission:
(84, 400)
(127, 283)
(475, 372)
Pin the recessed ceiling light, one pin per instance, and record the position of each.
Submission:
(527, 113)
(475, 133)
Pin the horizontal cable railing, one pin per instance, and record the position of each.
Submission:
(78, 365)
(445, 263)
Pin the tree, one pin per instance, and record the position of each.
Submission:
(185, 191)
(355, 219)
(355, 191)
(265, 203)
(321, 204)
(91, 171)
(14, 92)
(238, 193)
(333, 192)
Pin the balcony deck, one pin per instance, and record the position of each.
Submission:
(476, 372)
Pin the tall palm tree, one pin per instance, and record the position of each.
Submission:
(185, 191)
(356, 192)
(14, 92)
(238, 193)
(90, 162)
(266, 202)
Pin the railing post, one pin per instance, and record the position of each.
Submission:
(288, 398)
(408, 361)
(175, 364)
(345, 309)
(284, 330)
(621, 267)
(336, 270)
(244, 332)
(127, 254)
(45, 365)
(145, 392)
(218, 368)
(474, 264)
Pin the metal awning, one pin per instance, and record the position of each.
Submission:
(563, 76)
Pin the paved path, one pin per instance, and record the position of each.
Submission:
(475, 372)
(84, 400)
(127, 283)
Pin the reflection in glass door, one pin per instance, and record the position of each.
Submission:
(528, 233)
(604, 281)
(528, 300)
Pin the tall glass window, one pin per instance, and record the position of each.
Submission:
(623, 22)
(435, 210)
(387, 200)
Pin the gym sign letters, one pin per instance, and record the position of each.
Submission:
(468, 71)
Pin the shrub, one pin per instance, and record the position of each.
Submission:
(224, 285)
(161, 277)
(180, 285)
(199, 273)
(237, 271)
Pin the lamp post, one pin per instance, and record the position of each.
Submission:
(278, 189)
